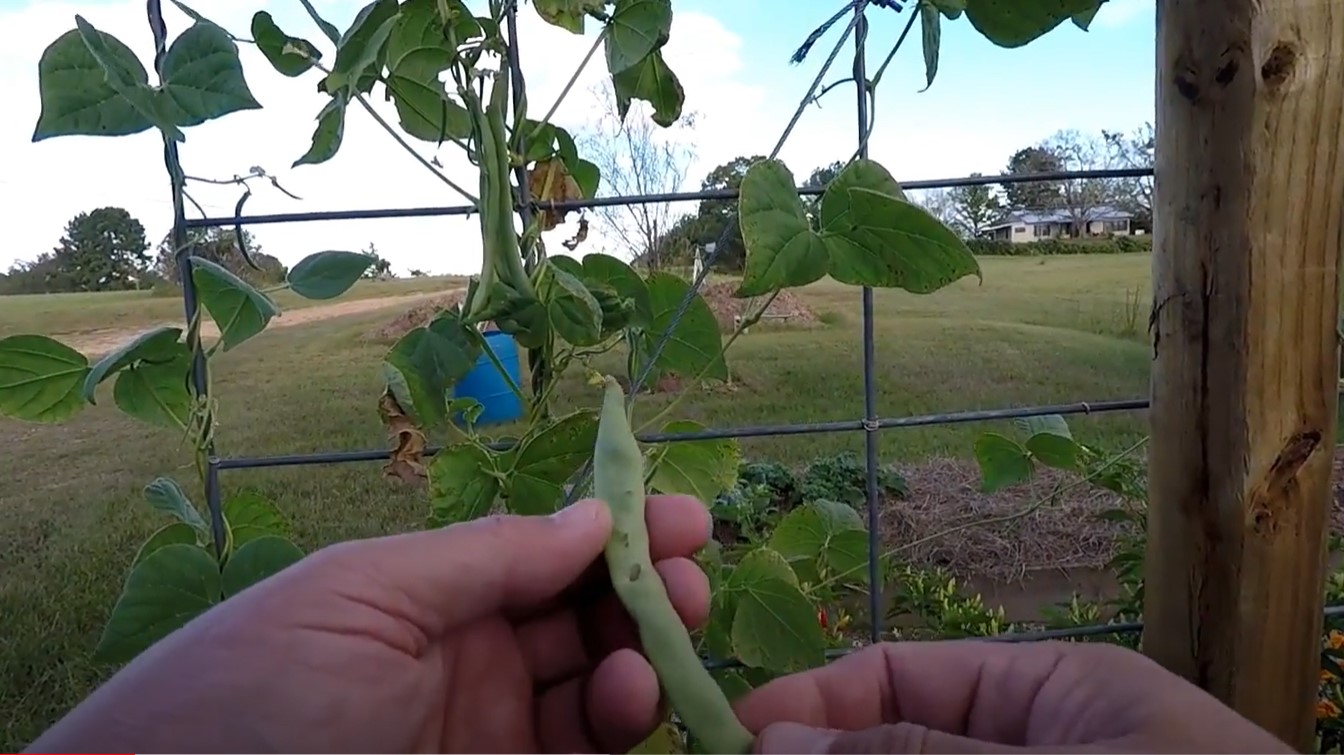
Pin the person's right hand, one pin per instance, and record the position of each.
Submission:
(981, 697)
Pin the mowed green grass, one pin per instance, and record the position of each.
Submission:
(81, 313)
(1039, 330)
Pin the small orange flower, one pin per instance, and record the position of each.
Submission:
(1327, 677)
(1326, 709)
(1335, 640)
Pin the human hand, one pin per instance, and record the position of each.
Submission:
(982, 697)
(498, 635)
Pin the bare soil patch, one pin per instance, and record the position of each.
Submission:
(787, 309)
(996, 542)
(420, 314)
(95, 343)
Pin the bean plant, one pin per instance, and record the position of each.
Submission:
(446, 68)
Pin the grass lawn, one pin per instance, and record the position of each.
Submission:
(1038, 330)
(80, 313)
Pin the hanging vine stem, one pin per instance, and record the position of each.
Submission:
(873, 82)
(381, 121)
(573, 79)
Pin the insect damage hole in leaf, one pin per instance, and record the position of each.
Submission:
(652, 81)
(41, 379)
(291, 56)
(782, 249)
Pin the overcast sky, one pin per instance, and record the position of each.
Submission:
(732, 58)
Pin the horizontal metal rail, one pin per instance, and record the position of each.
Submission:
(750, 431)
(1041, 635)
(675, 197)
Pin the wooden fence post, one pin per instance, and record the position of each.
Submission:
(1249, 214)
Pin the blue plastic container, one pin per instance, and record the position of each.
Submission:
(485, 383)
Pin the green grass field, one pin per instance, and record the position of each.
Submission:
(1039, 330)
(82, 313)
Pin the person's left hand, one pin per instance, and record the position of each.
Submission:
(498, 635)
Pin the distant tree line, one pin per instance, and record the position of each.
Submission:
(107, 250)
(969, 209)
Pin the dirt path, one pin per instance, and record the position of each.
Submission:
(95, 343)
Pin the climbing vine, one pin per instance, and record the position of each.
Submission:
(446, 69)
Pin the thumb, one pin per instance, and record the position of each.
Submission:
(891, 738)
(446, 577)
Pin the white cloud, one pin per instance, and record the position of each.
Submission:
(963, 124)
(48, 182)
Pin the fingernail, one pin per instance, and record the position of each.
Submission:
(795, 738)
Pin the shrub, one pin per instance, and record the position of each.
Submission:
(1054, 247)
(843, 478)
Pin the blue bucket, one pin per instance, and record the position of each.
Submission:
(485, 383)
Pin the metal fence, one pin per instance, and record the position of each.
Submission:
(870, 424)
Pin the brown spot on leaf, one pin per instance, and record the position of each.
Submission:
(408, 442)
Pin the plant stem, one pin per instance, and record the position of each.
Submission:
(418, 157)
(402, 141)
(1035, 505)
(573, 79)
(742, 326)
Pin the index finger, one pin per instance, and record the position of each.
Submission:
(970, 688)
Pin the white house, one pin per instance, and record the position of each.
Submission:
(1028, 225)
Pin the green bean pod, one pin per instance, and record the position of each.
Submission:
(502, 259)
(618, 479)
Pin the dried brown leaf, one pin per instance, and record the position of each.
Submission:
(580, 236)
(549, 181)
(409, 441)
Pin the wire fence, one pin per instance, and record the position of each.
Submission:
(870, 423)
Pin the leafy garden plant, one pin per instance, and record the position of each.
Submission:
(446, 68)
